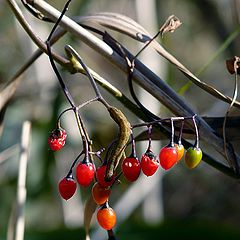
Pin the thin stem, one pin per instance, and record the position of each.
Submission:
(161, 120)
(180, 133)
(172, 133)
(133, 153)
(36, 39)
(73, 164)
(63, 86)
(149, 138)
(82, 133)
(146, 45)
(73, 53)
(59, 117)
(196, 131)
(86, 103)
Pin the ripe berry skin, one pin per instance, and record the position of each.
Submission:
(106, 217)
(67, 187)
(180, 151)
(193, 157)
(101, 174)
(149, 163)
(168, 157)
(56, 139)
(85, 173)
(131, 168)
(100, 194)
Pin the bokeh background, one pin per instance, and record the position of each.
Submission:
(202, 203)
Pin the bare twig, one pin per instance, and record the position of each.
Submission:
(22, 174)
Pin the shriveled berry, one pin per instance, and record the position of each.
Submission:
(180, 151)
(149, 163)
(85, 173)
(193, 157)
(57, 138)
(100, 194)
(67, 187)
(168, 157)
(131, 168)
(101, 176)
(106, 217)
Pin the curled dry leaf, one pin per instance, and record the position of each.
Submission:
(170, 25)
(124, 134)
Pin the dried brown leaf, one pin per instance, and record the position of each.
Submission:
(170, 25)
(131, 28)
(90, 207)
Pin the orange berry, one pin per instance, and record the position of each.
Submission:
(106, 217)
(180, 151)
(100, 194)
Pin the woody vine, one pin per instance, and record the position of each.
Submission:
(107, 173)
(90, 168)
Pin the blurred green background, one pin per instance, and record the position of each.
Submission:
(179, 203)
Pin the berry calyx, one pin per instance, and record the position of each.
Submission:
(106, 217)
(101, 176)
(131, 168)
(180, 151)
(149, 163)
(85, 173)
(100, 194)
(67, 187)
(193, 157)
(56, 139)
(168, 157)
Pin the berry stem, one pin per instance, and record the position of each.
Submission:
(172, 133)
(149, 138)
(73, 164)
(196, 131)
(59, 117)
(162, 120)
(180, 133)
(133, 153)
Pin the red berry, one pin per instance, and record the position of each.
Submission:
(106, 217)
(149, 163)
(100, 194)
(101, 174)
(131, 168)
(85, 173)
(67, 187)
(56, 139)
(168, 157)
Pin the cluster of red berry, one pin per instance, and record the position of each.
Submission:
(131, 168)
(85, 172)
